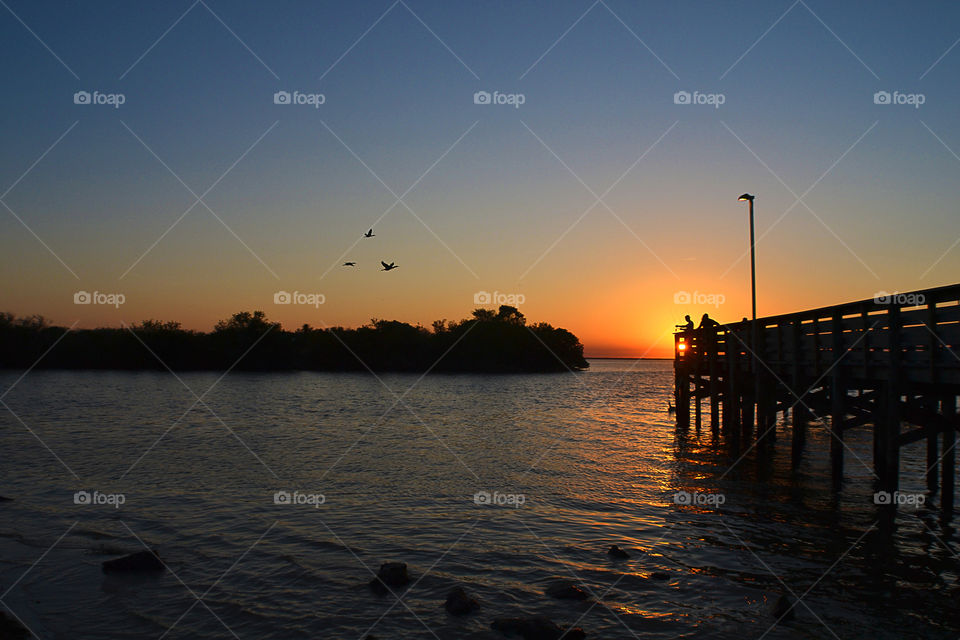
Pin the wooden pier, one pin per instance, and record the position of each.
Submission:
(891, 364)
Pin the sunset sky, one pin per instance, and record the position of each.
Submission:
(598, 199)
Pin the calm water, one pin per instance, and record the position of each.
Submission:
(595, 457)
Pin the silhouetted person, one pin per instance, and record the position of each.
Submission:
(688, 325)
(706, 322)
(708, 330)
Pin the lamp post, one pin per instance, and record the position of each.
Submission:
(754, 329)
(753, 260)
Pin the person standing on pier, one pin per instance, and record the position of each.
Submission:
(706, 322)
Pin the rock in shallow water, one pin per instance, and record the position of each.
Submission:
(536, 628)
(391, 574)
(141, 561)
(459, 603)
(783, 608)
(617, 553)
(10, 628)
(567, 591)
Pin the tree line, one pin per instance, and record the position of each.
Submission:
(489, 341)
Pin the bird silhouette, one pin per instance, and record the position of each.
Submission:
(369, 234)
(349, 264)
(670, 407)
(387, 267)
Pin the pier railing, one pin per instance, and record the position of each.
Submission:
(883, 361)
(914, 335)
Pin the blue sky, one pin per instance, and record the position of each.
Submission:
(501, 197)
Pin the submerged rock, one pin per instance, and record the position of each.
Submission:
(391, 574)
(616, 552)
(141, 561)
(783, 608)
(567, 591)
(536, 628)
(11, 628)
(459, 603)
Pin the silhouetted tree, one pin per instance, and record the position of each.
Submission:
(488, 341)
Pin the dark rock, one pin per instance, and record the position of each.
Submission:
(10, 628)
(141, 561)
(783, 609)
(391, 574)
(660, 575)
(616, 552)
(459, 602)
(536, 628)
(567, 591)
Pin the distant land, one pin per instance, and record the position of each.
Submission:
(488, 342)
(623, 358)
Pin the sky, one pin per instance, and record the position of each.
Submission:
(582, 160)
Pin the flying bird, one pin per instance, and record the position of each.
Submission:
(369, 234)
(349, 264)
(387, 267)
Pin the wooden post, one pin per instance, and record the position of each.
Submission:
(838, 393)
(730, 344)
(681, 380)
(889, 452)
(714, 384)
(766, 395)
(697, 385)
(736, 397)
(933, 459)
(933, 346)
(949, 410)
(800, 418)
